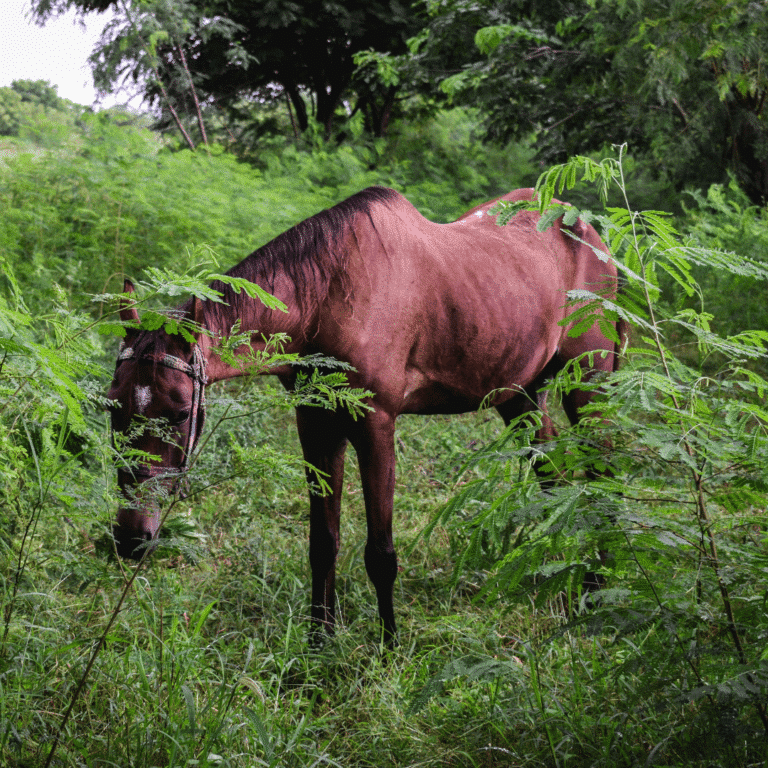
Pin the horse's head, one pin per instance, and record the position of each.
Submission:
(158, 396)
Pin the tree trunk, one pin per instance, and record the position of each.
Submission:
(298, 105)
(377, 113)
(386, 112)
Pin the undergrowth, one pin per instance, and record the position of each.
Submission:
(206, 662)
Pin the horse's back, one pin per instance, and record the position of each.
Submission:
(480, 213)
(441, 314)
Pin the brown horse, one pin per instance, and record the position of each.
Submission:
(433, 317)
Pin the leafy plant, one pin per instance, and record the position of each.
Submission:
(697, 77)
(680, 502)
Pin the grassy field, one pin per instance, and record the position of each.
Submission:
(208, 662)
(199, 657)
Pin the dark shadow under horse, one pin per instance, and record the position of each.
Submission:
(433, 317)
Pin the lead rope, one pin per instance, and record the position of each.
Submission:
(199, 380)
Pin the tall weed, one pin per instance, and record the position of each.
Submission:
(680, 505)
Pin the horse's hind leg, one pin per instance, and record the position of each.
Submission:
(324, 443)
(602, 360)
(574, 403)
(532, 399)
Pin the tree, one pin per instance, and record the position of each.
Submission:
(224, 51)
(38, 92)
(10, 112)
(19, 101)
(683, 83)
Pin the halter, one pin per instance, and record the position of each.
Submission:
(196, 371)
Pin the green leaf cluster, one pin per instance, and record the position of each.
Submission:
(660, 488)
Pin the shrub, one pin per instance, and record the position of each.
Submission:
(680, 505)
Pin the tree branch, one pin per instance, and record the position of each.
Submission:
(180, 49)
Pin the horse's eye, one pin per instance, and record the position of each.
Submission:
(176, 419)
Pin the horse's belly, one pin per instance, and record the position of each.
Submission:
(435, 398)
(465, 386)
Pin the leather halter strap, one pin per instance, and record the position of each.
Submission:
(196, 371)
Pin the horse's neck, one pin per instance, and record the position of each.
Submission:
(263, 325)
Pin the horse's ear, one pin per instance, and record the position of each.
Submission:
(128, 311)
(197, 313)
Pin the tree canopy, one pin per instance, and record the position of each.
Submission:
(224, 52)
(684, 84)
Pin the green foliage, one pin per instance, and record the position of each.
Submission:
(236, 72)
(187, 53)
(10, 112)
(563, 70)
(28, 103)
(38, 92)
(113, 203)
(488, 39)
(679, 502)
(724, 219)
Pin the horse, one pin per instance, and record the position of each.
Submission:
(432, 318)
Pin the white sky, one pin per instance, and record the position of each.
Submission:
(57, 52)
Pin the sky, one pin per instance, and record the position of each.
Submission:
(57, 52)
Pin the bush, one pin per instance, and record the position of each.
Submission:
(680, 505)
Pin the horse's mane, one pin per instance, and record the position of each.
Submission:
(310, 254)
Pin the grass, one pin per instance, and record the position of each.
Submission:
(208, 662)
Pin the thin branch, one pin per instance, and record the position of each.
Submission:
(565, 119)
(172, 110)
(681, 111)
(131, 21)
(180, 49)
(545, 50)
(290, 112)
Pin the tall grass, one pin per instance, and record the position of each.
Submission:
(207, 661)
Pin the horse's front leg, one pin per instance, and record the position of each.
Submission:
(374, 442)
(324, 443)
